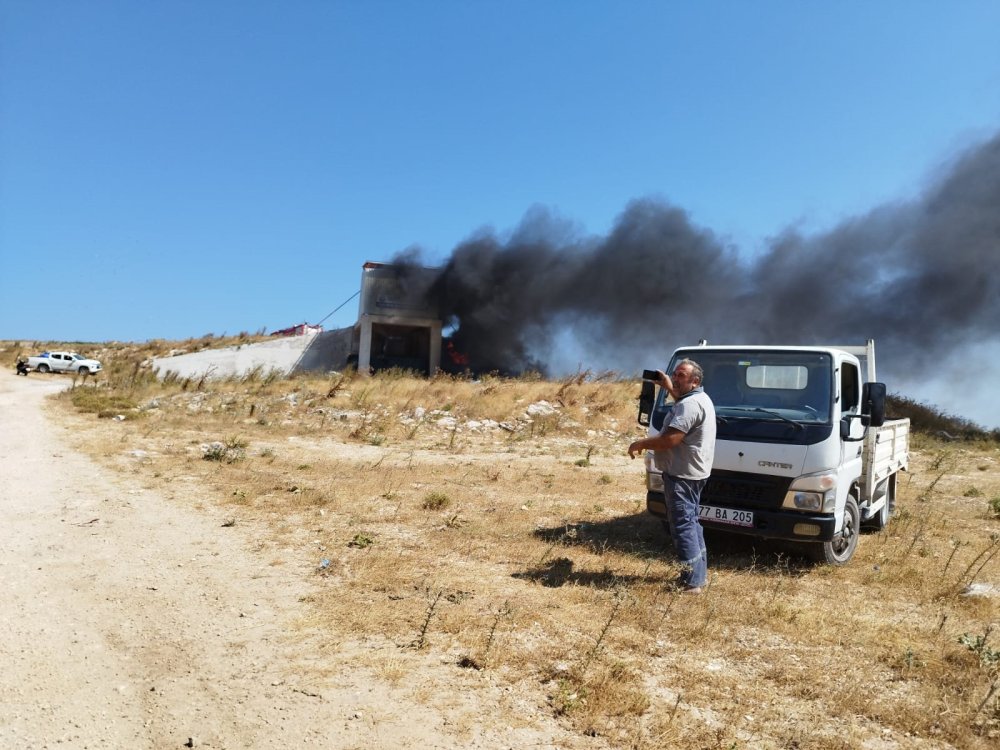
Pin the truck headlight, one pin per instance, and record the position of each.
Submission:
(805, 500)
(814, 492)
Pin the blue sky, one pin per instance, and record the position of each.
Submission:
(170, 169)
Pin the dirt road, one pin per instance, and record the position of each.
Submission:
(132, 621)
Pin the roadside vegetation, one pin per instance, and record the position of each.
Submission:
(492, 532)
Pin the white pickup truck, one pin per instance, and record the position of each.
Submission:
(803, 450)
(64, 362)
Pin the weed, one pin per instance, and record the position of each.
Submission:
(620, 597)
(569, 697)
(988, 657)
(973, 492)
(421, 639)
(981, 560)
(954, 548)
(585, 461)
(942, 464)
(503, 612)
(230, 451)
(361, 540)
(977, 645)
(910, 660)
(994, 507)
(435, 501)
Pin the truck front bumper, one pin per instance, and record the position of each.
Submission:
(770, 524)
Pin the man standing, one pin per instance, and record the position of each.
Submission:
(684, 450)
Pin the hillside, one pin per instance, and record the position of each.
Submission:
(491, 534)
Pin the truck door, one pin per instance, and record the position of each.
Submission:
(851, 429)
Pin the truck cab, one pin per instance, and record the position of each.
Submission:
(797, 453)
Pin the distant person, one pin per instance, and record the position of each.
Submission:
(684, 451)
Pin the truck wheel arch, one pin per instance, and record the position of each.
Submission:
(839, 550)
(881, 519)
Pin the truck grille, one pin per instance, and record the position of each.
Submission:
(741, 490)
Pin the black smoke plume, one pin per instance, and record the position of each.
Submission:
(919, 277)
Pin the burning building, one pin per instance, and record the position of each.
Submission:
(398, 325)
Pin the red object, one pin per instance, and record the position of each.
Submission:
(456, 356)
(300, 330)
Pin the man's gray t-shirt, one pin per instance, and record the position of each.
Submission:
(694, 415)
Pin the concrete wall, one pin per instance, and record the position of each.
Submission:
(317, 352)
(280, 354)
(327, 351)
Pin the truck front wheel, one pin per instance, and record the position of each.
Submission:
(841, 548)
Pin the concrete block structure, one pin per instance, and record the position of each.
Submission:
(397, 325)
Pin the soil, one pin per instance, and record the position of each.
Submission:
(136, 620)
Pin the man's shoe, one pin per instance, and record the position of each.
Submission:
(693, 590)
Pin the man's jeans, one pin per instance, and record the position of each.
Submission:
(683, 497)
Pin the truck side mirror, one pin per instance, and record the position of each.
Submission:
(646, 399)
(873, 403)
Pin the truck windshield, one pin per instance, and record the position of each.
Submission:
(787, 387)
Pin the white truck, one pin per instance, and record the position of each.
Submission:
(803, 450)
(64, 362)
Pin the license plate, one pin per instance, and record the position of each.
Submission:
(726, 515)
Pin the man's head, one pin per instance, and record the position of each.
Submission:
(687, 376)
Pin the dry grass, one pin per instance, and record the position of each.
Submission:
(472, 522)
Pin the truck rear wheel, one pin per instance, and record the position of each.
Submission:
(43, 368)
(840, 549)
